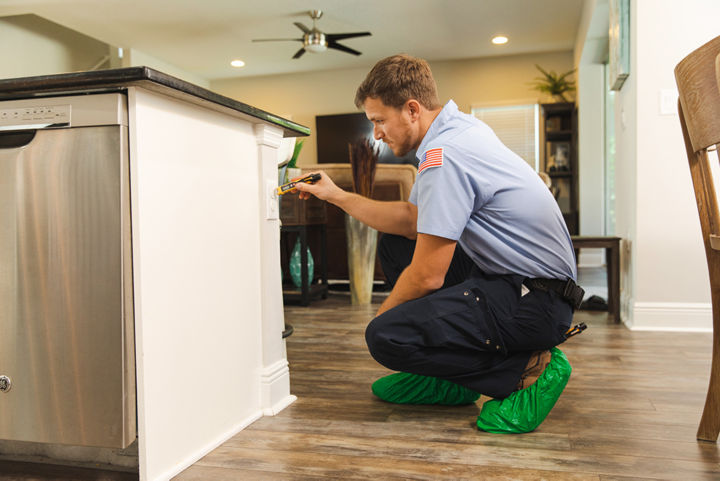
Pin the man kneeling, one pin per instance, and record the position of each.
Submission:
(480, 259)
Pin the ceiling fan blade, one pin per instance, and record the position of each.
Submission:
(302, 27)
(341, 36)
(277, 40)
(299, 53)
(343, 48)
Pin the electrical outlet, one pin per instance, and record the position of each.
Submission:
(668, 101)
(272, 203)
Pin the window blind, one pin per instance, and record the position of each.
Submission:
(517, 126)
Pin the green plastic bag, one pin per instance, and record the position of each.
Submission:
(524, 410)
(406, 388)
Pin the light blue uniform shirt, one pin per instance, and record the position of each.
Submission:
(489, 200)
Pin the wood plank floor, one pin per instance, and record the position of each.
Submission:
(629, 412)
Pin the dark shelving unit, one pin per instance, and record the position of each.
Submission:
(560, 159)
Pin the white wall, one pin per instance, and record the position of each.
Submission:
(30, 45)
(303, 96)
(135, 58)
(665, 276)
(49, 48)
(591, 155)
(590, 53)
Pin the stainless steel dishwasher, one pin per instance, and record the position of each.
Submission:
(67, 363)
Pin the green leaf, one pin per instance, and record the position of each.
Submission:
(296, 153)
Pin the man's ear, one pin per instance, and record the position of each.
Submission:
(413, 107)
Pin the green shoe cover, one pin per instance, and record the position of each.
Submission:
(524, 410)
(406, 388)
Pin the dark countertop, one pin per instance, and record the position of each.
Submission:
(117, 79)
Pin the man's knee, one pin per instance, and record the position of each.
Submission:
(373, 337)
(378, 343)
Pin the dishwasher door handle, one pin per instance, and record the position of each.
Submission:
(15, 139)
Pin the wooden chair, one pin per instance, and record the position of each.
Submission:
(698, 80)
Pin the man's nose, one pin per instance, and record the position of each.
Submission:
(377, 133)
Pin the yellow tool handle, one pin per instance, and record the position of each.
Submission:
(290, 186)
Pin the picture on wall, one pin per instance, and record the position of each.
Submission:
(619, 43)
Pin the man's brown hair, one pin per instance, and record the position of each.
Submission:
(395, 80)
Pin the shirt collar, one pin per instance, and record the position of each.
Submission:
(448, 111)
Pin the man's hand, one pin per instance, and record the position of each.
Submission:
(324, 189)
(426, 272)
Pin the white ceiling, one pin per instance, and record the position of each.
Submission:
(202, 36)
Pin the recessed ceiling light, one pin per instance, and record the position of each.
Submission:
(499, 39)
(237, 63)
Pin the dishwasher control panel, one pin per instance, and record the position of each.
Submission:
(35, 117)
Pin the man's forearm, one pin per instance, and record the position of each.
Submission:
(409, 286)
(392, 217)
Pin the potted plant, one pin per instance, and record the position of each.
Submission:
(554, 84)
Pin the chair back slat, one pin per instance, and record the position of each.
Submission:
(699, 94)
(704, 186)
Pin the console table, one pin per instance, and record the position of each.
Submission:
(296, 216)
(612, 260)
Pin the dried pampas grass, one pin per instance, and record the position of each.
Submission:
(363, 159)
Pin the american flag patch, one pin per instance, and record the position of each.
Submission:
(431, 158)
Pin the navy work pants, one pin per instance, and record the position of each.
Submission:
(477, 330)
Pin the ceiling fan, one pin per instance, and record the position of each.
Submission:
(316, 41)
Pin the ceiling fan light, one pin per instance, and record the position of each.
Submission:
(316, 47)
(315, 42)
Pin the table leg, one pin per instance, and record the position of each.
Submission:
(613, 281)
(305, 286)
(323, 259)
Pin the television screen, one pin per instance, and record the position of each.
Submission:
(334, 132)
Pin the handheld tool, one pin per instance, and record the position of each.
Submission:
(577, 329)
(290, 186)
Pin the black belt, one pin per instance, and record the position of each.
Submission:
(568, 290)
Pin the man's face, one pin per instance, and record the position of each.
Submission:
(395, 127)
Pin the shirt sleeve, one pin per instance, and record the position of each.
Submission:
(445, 199)
(413, 193)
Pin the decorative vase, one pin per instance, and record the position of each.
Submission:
(361, 248)
(296, 265)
